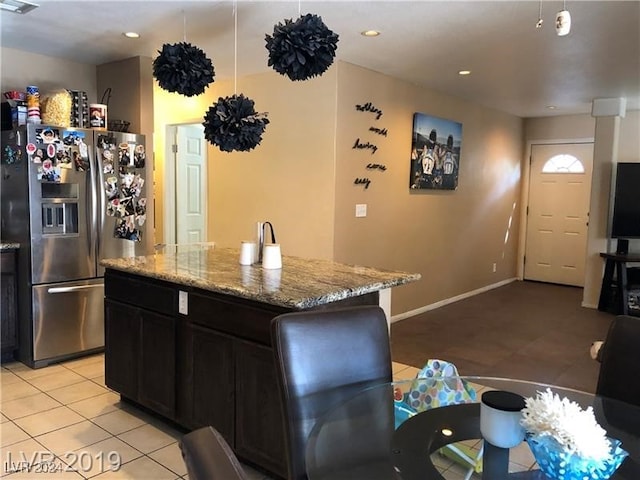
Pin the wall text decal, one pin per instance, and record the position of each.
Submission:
(367, 145)
(373, 166)
(362, 181)
(369, 107)
(362, 145)
(379, 131)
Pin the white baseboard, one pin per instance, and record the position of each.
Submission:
(447, 301)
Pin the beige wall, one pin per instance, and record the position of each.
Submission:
(288, 179)
(616, 139)
(451, 237)
(130, 80)
(568, 127)
(564, 127)
(131, 83)
(20, 69)
(301, 179)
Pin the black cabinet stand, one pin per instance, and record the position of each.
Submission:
(614, 293)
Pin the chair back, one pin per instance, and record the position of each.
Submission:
(323, 357)
(620, 362)
(208, 456)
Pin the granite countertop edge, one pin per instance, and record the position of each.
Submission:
(6, 246)
(299, 300)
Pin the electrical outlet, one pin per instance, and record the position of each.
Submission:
(183, 303)
(494, 268)
(361, 209)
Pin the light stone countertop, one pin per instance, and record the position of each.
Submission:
(301, 283)
(9, 246)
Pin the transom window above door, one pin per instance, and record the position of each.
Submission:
(563, 164)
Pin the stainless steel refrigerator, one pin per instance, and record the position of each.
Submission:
(71, 197)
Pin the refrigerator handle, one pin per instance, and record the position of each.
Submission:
(91, 203)
(73, 289)
(98, 197)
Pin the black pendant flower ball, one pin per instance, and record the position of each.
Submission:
(183, 68)
(233, 124)
(301, 49)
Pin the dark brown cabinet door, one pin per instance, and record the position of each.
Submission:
(259, 426)
(209, 380)
(122, 342)
(8, 302)
(157, 384)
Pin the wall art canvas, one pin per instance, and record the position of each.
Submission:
(435, 153)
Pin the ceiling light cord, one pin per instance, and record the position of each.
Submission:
(184, 27)
(540, 20)
(235, 47)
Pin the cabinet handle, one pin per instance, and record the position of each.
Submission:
(72, 289)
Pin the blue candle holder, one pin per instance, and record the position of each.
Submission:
(558, 464)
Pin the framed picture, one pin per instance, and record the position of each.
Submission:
(435, 153)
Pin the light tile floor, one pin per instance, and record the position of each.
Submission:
(64, 419)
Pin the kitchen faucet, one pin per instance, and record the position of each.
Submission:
(261, 233)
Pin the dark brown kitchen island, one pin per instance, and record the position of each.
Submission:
(187, 336)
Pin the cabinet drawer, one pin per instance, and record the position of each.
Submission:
(141, 292)
(238, 318)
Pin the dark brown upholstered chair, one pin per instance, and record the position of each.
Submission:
(323, 357)
(208, 456)
(620, 357)
(618, 380)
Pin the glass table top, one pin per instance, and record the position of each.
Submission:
(376, 433)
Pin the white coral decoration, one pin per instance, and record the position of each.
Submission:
(572, 427)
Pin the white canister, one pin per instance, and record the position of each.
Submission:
(271, 256)
(247, 253)
(500, 415)
(98, 116)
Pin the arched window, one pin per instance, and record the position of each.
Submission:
(563, 164)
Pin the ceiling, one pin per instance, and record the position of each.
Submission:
(515, 67)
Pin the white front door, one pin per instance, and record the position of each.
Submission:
(191, 184)
(558, 213)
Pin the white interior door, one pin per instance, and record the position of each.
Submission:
(191, 184)
(558, 213)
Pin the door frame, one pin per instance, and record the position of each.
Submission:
(524, 193)
(170, 195)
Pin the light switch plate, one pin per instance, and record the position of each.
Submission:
(183, 302)
(361, 209)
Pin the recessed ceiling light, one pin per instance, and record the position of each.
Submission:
(131, 35)
(464, 72)
(551, 107)
(370, 33)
